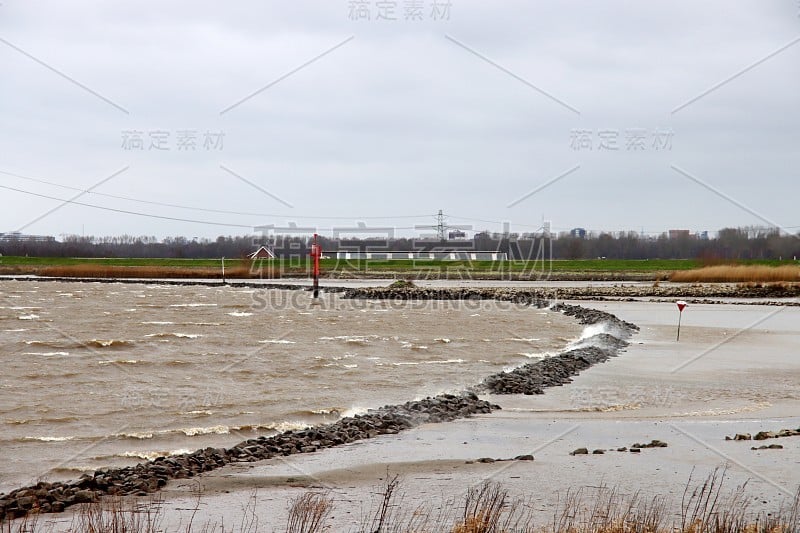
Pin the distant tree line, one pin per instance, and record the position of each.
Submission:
(729, 244)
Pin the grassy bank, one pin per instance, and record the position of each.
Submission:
(590, 269)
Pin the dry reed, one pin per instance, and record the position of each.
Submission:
(156, 272)
(738, 274)
(487, 508)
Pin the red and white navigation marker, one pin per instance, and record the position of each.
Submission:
(316, 253)
(681, 306)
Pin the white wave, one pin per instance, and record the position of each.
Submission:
(49, 439)
(22, 308)
(46, 354)
(330, 411)
(240, 313)
(523, 339)
(200, 412)
(216, 430)
(28, 317)
(193, 305)
(119, 362)
(158, 323)
(100, 343)
(153, 454)
(141, 436)
(350, 339)
(353, 411)
(590, 331)
(594, 329)
(178, 335)
(411, 346)
(280, 427)
(432, 362)
(443, 340)
(350, 366)
(18, 330)
(535, 355)
(276, 341)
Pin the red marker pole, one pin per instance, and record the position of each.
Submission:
(316, 253)
(681, 306)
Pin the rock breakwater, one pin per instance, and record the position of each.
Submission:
(534, 378)
(150, 476)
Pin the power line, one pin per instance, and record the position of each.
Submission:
(125, 211)
(208, 210)
(147, 215)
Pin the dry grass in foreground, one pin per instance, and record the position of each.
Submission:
(486, 508)
(738, 274)
(138, 272)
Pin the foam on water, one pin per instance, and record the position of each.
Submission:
(174, 334)
(50, 439)
(535, 355)
(110, 343)
(150, 455)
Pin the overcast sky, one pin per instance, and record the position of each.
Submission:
(604, 115)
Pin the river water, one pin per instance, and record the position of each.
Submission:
(107, 374)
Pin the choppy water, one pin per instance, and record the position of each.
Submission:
(97, 374)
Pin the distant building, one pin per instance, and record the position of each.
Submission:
(16, 236)
(456, 234)
(579, 233)
(441, 255)
(679, 234)
(262, 253)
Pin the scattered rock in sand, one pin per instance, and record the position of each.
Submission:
(768, 447)
(580, 451)
(763, 435)
(655, 443)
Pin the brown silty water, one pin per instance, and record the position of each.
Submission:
(107, 374)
